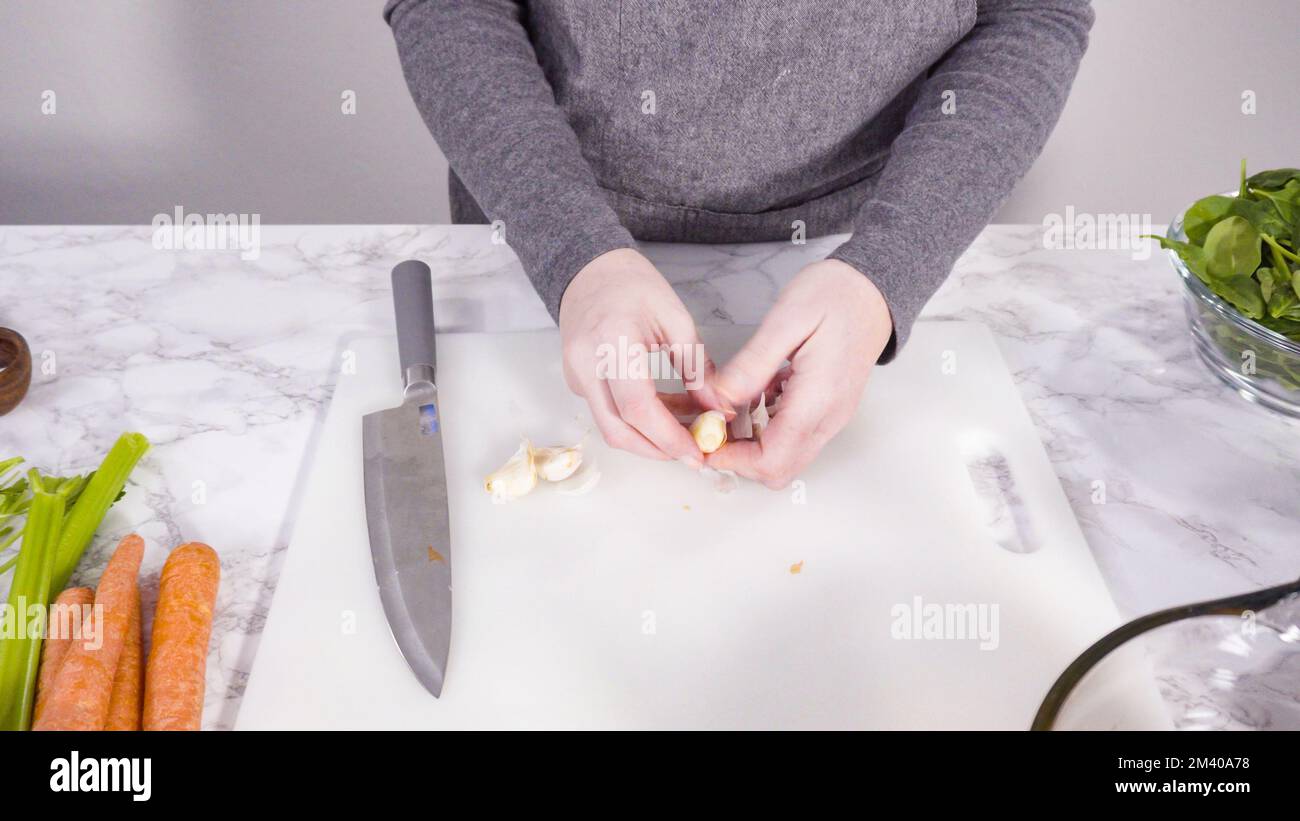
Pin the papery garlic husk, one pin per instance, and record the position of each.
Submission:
(741, 426)
(580, 483)
(724, 481)
(517, 477)
(557, 464)
(759, 418)
(709, 431)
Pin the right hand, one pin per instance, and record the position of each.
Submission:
(620, 294)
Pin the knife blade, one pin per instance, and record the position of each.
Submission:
(406, 491)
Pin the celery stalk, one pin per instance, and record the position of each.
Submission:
(14, 500)
(92, 504)
(20, 650)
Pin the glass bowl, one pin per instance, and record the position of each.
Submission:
(1261, 365)
(1227, 664)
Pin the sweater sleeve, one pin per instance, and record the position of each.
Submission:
(982, 117)
(476, 81)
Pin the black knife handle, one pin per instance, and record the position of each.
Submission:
(413, 307)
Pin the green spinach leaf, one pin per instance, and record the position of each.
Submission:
(1204, 213)
(1282, 302)
(1265, 277)
(1232, 249)
(1243, 293)
(1193, 256)
(1273, 180)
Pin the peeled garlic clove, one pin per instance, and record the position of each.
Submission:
(517, 477)
(709, 430)
(557, 464)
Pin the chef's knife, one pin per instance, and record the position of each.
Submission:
(406, 491)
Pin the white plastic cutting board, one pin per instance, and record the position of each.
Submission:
(654, 601)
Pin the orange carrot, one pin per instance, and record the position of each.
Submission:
(182, 624)
(66, 615)
(128, 682)
(83, 685)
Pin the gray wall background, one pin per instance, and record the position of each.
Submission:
(235, 106)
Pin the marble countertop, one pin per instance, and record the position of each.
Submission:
(1184, 491)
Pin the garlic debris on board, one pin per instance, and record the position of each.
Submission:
(709, 430)
(517, 477)
(557, 464)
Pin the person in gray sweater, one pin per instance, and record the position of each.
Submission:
(584, 125)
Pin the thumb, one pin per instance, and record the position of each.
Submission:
(751, 370)
(705, 391)
(698, 372)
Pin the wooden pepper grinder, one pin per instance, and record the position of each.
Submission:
(15, 369)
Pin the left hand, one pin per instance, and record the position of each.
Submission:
(832, 323)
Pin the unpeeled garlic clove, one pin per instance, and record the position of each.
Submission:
(517, 477)
(557, 464)
(709, 430)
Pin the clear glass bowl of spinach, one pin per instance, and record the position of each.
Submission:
(1239, 258)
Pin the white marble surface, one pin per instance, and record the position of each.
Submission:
(227, 366)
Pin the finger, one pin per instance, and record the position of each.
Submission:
(787, 460)
(639, 406)
(616, 432)
(682, 404)
(699, 375)
(789, 444)
(775, 461)
(749, 371)
(740, 456)
(774, 389)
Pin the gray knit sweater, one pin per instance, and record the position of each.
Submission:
(581, 124)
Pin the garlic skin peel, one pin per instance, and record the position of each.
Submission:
(742, 426)
(557, 464)
(724, 481)
(709, 431)
(759, 418)
(517, 477)
(580, 483)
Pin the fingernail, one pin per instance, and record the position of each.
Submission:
(728, 408)
(692, 463)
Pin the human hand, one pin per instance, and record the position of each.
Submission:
(617, 302)
(832, 323)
